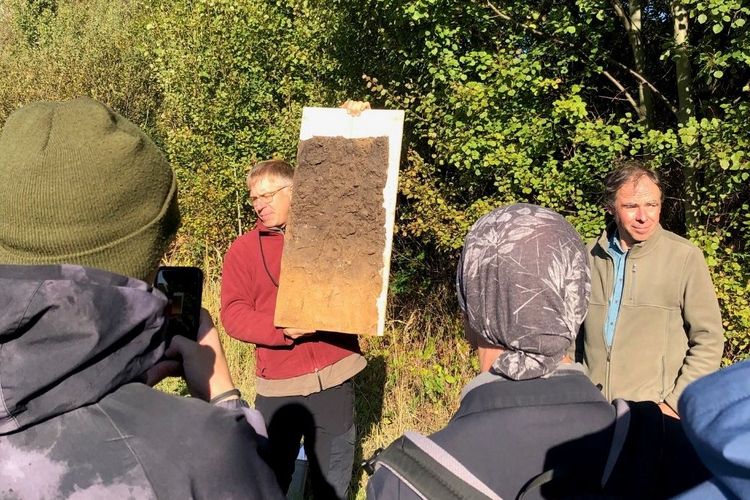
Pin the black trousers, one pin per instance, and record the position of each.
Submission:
(326, 420)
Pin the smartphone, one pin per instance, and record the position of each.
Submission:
(183, 287)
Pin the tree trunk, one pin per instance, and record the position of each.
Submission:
(631, 21)
(682, 62)
(645, 98)
(686, 108)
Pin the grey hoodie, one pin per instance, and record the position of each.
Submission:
(74, 421)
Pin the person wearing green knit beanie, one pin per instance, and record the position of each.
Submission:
(88, 206)
(80, 184)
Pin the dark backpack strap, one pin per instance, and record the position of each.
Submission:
(621, 440)
(430, 471)
(545, 477)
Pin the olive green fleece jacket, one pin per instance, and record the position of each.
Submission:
(668, 331)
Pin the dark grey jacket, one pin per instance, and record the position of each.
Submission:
(508, 432)
(74, 421)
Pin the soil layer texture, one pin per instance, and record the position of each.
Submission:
(332, 265)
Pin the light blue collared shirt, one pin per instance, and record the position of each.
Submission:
(618, 257)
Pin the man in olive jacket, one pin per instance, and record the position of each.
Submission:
(654, 323)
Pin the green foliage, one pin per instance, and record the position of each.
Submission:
(721, 148)
(505, 102)
(493, 116)
(526, 101)
(426, 353)
(174, 385)
(732, 283)
(234, 77)
(722, 24)
(59, 50)
(488, 118)
(437, 381)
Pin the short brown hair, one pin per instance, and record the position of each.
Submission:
(628, 170)
(270, 168)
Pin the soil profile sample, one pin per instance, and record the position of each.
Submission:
(332, 267)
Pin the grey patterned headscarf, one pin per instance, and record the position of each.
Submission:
(523, 283)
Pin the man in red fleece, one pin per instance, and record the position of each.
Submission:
(304, 383)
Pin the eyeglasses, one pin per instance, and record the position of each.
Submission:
(266, 197)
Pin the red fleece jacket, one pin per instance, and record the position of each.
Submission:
(248, 303)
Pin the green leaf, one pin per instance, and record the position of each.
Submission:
(717, 28)
(718, 73)
(702, 18)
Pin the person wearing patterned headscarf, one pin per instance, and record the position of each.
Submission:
(523, 285)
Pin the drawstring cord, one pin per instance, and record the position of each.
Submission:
(265, 265)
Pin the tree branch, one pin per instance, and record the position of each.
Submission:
(622, 89)
(621, 14)
(672, 107)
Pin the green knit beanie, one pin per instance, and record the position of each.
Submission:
(80, 184)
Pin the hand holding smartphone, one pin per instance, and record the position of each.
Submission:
(183, 287)
(202, 363)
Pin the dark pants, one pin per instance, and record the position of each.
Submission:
(326, 420)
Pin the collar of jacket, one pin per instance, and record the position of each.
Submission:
(636, 251)
(562, 369)
(262, 229)
(573, 387)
